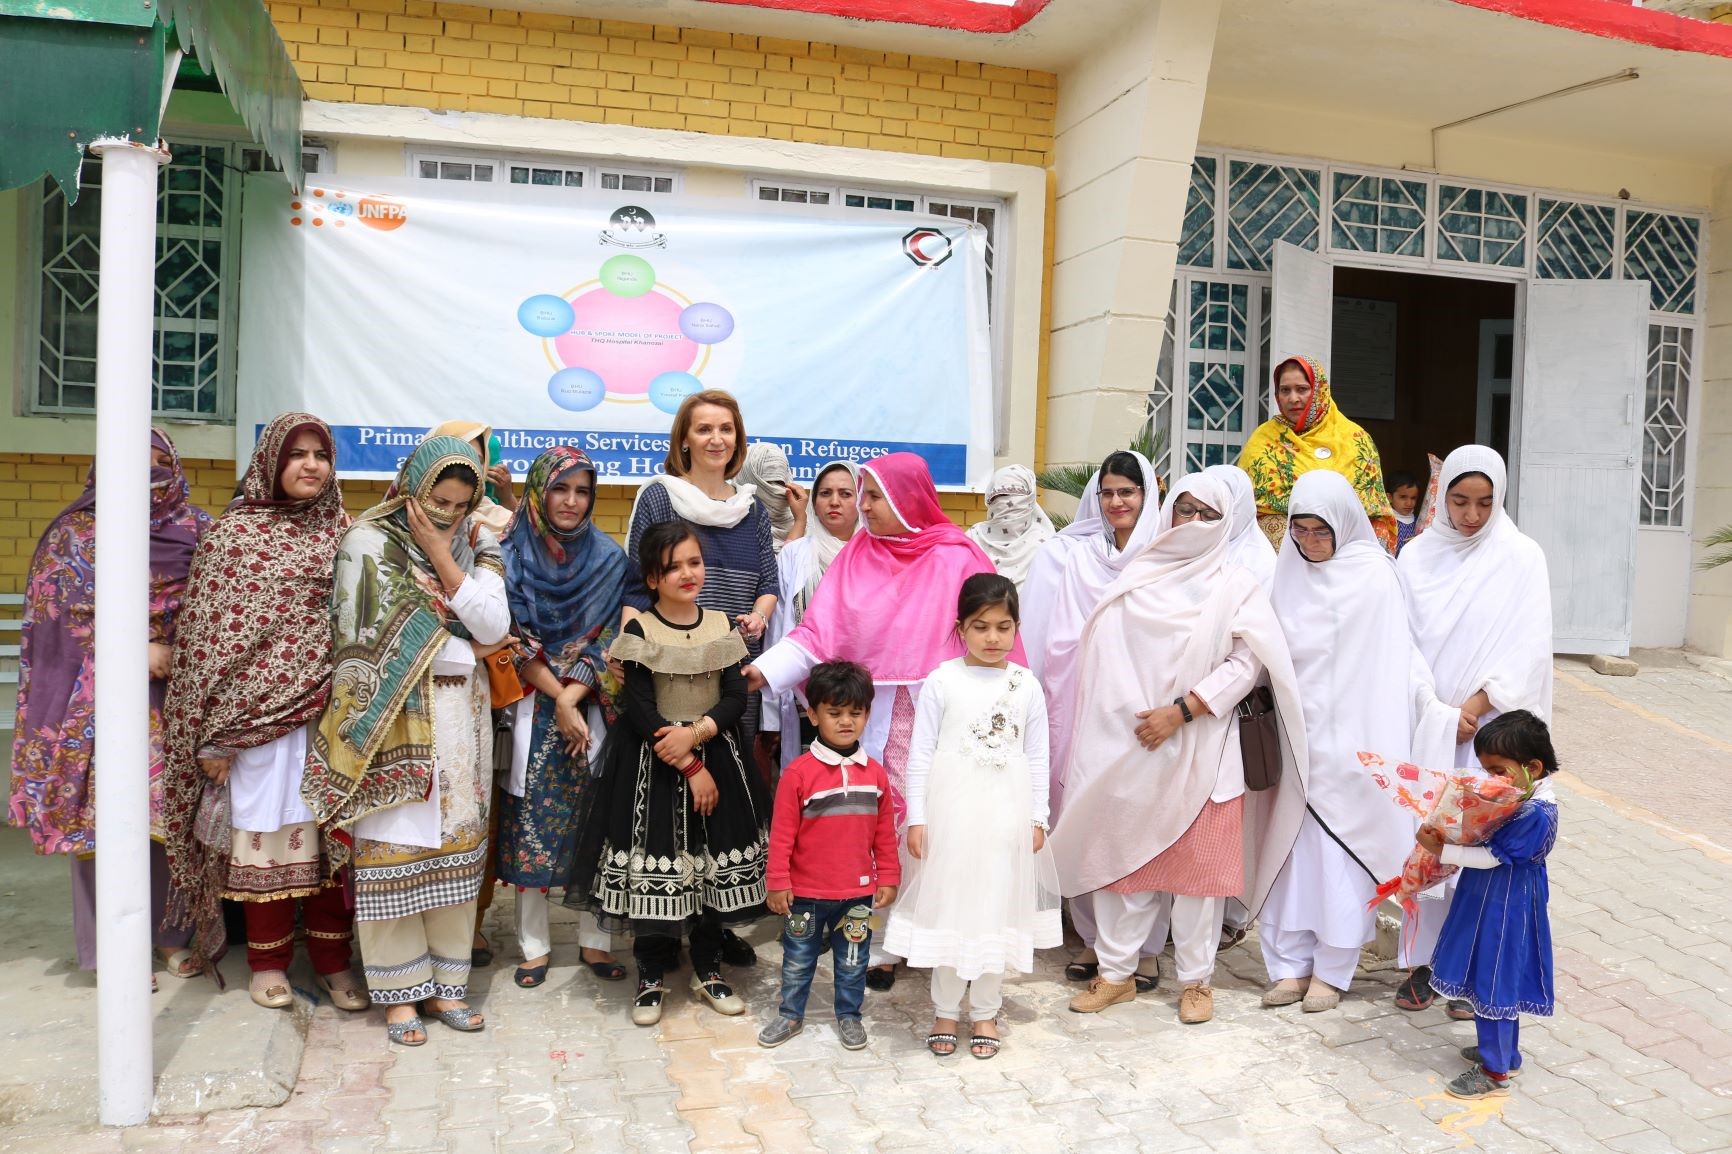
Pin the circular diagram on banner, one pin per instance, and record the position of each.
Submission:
(624, 336)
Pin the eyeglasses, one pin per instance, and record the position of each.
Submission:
(1185, 511)
(1120, 494)
(1306, 533)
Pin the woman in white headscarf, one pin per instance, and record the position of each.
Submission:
(1155, 791)
(1116, 518)
(766, 466)
(1016, 526)
(1480, 607)
(1247, 544)
(832, 516)
(1363, 689)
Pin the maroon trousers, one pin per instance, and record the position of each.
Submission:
(271, 932)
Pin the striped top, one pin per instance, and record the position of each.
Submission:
(739, 561)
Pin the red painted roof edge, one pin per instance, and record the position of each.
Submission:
(1619, 22)
(956, 15)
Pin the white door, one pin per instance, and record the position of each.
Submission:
(1579, 434)
(1303, 323)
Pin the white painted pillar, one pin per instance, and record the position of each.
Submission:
(126, 311)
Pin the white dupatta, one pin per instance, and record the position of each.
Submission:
(1246, 543)
(697, 506)
(1016, 526)
(1126, 805)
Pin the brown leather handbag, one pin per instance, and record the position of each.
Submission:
(1260, 739)
(502, 680)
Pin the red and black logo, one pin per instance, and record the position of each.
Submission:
(926, 247)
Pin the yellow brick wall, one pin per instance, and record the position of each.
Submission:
(469, 58)
(34, 487)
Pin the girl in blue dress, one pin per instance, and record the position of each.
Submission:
(1495, 950)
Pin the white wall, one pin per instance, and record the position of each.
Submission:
(1710, 628)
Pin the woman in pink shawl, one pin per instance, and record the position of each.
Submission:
(1155, 799)
(888, 602)
(53, 778)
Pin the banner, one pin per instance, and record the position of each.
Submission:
(570, 317)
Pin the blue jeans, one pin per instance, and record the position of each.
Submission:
(812, 926)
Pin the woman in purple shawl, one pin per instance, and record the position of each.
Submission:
(53, 791)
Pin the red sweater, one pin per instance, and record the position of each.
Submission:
(834, 833)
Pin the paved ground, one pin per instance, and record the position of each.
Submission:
(1638, 1059)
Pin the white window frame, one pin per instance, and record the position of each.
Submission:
(28, 360)
(828, 191)
(592, 169)
(316, 159)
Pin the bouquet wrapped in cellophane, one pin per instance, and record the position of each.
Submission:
(1464, 806)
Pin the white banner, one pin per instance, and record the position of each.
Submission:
(561, 316)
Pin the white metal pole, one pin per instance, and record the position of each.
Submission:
(125, 319)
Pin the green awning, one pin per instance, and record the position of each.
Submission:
(76, 70)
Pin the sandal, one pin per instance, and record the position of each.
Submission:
(464, 1019)
(606, 971)
(529, 977)
(398, 1031)
(1415, 993)
(984, 1042)
(177, 960)
(948, 1041)
(1081, 971)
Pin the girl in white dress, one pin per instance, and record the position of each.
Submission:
(983, 896)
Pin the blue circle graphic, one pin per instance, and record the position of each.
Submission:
(546, 315)
(706, 323)
(667, 390)
(576, 389)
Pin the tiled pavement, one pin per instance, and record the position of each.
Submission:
(1639, 1057)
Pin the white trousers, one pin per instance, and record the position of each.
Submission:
(1298, 954)
(1427, 929)
(1082, 916)
(1124, 922)
(985, 995)
(535, 932)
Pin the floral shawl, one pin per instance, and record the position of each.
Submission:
(253, 659)
(1279, 451)
(373, 747)
(52, 792)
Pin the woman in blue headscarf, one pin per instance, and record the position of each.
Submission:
(565, 580)
(400, 768)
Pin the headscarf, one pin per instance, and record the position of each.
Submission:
(1361, 681)
(487, 511)
(1246, 544)
(766, 468)
(1126, 805)
(824, 545)
(1016, 526)
(1067, 580)
(564, 587)
(252, 660)
(373, 747)
(1280, 450)
(890, 602)
(1480, 607)
(54, 732)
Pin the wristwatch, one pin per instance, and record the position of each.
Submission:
(1184, 710)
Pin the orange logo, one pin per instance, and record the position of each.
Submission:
(381, 213)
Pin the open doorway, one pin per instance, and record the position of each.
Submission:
(1423, 363)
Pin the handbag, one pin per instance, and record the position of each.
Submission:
(502, 680)
(1260, 739)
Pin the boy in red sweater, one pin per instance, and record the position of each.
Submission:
(833, 856)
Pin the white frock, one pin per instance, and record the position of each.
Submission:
(981, 901)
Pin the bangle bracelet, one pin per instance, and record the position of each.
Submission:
(691, 768)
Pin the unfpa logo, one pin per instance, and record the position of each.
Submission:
(337, 209)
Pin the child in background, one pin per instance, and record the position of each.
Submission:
(673, 841)
(1495, 950)
(983, 897)
(1403, 492)
(833, 856)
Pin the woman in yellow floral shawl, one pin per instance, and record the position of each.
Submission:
(1309, 432)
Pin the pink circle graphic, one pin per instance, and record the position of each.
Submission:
(628, 341)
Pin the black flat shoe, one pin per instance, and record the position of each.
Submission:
(1082, 971)
(481, 956)
(530, 977)
(737, 951)
(607, 971)
(1146, 982)
(881, 978)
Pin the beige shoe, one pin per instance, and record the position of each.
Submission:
(270, 989)
(1284, 993)
(1320, 996)
(1196, 1004)
(1101, 994)
(345, 993)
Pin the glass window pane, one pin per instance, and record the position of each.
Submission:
(519, 174)
(429, 170)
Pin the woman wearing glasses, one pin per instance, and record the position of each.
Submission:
(1365, 688)
(1155, 800)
